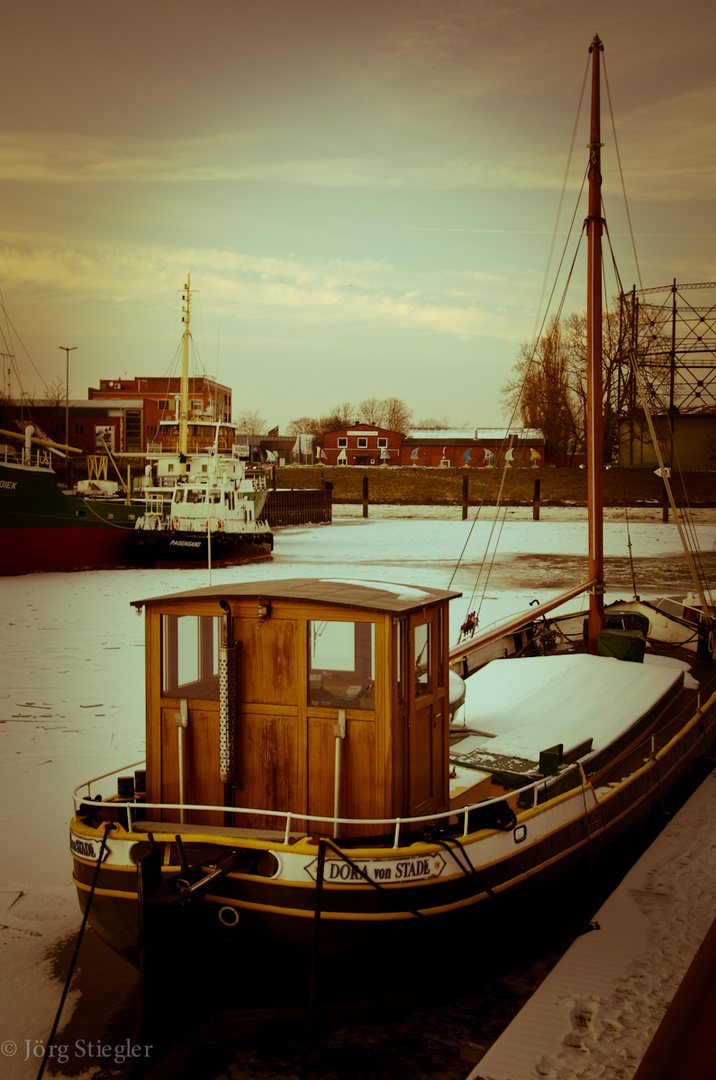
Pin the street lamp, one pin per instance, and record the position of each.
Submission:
(67, 349)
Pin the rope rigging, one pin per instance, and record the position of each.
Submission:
(533, 361)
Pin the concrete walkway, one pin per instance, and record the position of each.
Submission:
(597, 1012)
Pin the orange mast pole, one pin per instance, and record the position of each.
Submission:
(595, 450)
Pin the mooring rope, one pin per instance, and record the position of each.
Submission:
(65, 991)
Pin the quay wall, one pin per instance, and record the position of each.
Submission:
(417, 486)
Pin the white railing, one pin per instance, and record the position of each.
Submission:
(290, 818)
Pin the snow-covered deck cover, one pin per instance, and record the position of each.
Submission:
(524, 706)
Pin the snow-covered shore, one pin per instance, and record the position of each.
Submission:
(596, 1012)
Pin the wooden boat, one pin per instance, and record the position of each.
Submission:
(315, 799)
(203, 495)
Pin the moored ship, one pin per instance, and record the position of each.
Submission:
(203, 495)
(43, 527)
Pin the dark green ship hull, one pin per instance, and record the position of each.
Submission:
(44, 528)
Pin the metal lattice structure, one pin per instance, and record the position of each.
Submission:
(672, 328)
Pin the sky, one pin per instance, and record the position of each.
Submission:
(365, 194)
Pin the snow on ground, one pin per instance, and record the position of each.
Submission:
(72, 696)
(596, 1012)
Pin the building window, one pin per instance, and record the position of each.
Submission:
(382, 443)
(362, 444)
(79, 429)
(133, 429)
(342, 441)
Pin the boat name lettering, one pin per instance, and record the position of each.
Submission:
(381, 870)
(9, 484)
(185, 543)
(85, 848)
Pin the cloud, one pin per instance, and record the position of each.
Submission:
(665, 154)
(295, 290)
(661, 155)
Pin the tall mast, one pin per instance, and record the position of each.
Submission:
(184, 402)
(594, 360)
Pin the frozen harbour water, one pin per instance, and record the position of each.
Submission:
(72, 700)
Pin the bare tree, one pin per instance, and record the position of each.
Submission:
(56, 392)
(251, 422)
(431, 424)
(548, 387)
(547, 401)
(371, 411)
(304, 425)
(341, 416)
(392, 414)
(396, 415)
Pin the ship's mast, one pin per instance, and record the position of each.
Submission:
(594, 360)
(184, 401)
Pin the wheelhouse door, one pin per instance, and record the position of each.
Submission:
(427, 730)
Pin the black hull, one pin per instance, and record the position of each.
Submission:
(166, 548)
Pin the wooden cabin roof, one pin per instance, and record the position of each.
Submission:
(380, 596)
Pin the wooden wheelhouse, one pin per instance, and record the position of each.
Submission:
(319, 698)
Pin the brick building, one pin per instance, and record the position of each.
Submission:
(473, 448)
(365, 444)
(145, 400)
(362, 444)
(121, 414)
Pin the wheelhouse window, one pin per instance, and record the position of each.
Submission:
(400, 631)
(341, 665)
(441, 646)
(423, 659)
(190, 656)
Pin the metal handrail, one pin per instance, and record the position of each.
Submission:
(289, 816)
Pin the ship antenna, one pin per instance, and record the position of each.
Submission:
(184, 403)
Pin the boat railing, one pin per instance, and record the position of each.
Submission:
(531, 795)
(512, 625)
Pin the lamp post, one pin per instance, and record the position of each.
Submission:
(67, 350)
